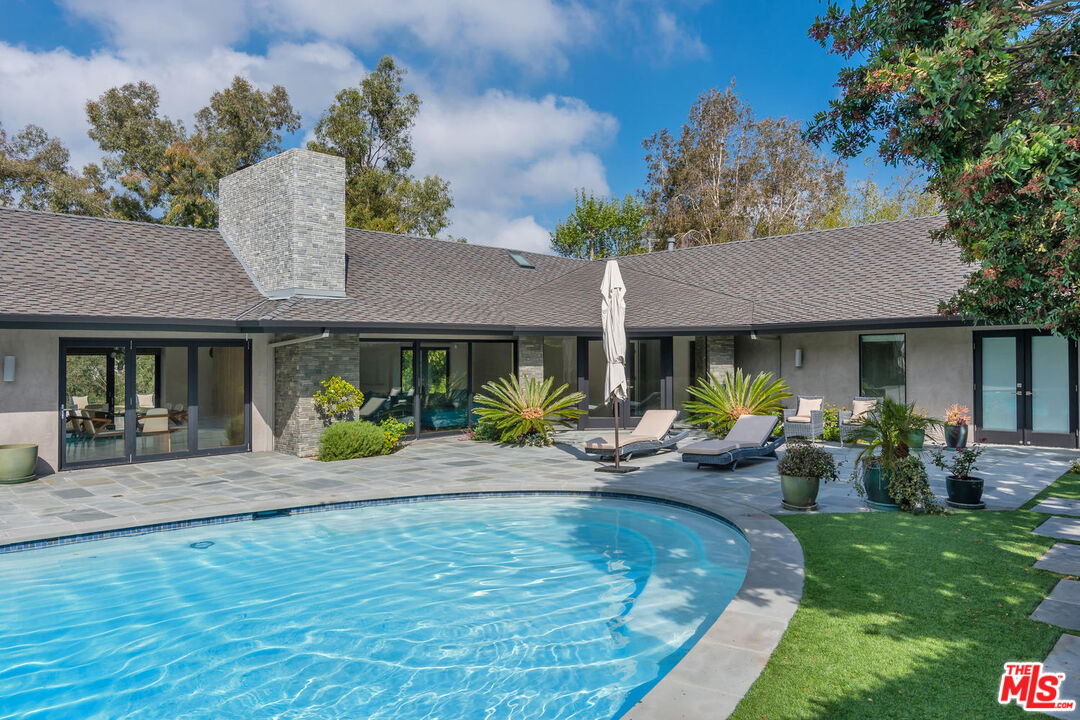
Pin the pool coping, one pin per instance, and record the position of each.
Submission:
(718, 669)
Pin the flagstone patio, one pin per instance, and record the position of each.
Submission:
(97, 499)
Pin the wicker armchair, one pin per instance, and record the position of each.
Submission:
(806, 419)
(848, 428)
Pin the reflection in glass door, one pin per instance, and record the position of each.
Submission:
(1025, 388)
(93, 404)
(444, 379)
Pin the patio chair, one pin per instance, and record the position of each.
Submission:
(94, 425)
(750, 437)
(654, 432)
(851, 420)
(807, 419)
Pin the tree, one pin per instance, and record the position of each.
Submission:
(600, 228)
(370, 127)
(983, 95)
(729, 176)
(126, 125)
(868, 202)
(170, 176)
(35, 175)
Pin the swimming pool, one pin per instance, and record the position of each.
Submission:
(514, 607)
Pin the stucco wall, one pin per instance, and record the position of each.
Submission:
(939, 364)
(29, 406)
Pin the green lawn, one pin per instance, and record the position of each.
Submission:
(1066, 486)
(908, 617)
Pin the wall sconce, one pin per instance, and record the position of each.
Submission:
(9, 368)
(798, 357)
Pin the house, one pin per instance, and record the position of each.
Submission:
(134, 341)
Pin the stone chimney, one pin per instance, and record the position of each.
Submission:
(284, 219)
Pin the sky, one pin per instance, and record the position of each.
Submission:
(523, 101)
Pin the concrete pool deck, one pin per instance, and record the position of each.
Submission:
(709, 681)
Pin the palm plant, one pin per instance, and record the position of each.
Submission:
(720, 402)
(885, 431)
(523, 411)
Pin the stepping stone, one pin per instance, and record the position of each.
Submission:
(1065, 657)
(1063, 558)
(1062, 607)
(1058, 506)
(1061, 528)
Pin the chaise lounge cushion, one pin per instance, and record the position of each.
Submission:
(749, 431)
(715, 447)
(652, 427)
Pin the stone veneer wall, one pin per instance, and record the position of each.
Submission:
(530, 358)
(721, 354)
(285, 220)
(298, 370)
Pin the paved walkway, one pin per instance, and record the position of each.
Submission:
(98, 499)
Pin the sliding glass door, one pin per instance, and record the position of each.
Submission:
(141, 399)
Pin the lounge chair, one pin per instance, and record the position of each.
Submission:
(749, 437)
(807, 419)
(653, 433)
(851, 420)
(156, 422)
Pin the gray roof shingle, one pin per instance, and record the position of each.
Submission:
(64, 266)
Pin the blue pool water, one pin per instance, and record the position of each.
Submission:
(521, 607)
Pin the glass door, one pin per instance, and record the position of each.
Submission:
(1025, 388)
(444, 386)
(141, 399)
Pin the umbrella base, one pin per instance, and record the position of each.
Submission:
(613, 469)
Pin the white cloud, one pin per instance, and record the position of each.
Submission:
(486, 227)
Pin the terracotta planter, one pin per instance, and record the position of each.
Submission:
(956, 436)
(965, 492)
(876, 483)
(18, 463)
(800, 493)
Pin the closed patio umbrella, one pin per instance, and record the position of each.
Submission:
(613, 320)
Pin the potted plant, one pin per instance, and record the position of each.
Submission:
(886, 431)
(18, 463)
(965, 490)
(919, 422)
(802, 468)
(956, 426)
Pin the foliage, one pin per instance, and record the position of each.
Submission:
(519, 411)
(600, 228)
(831, 431)
(337, 400)
(351, 439)
(983, 96)
(370, 127)
(729, 176)
(88, 375)
(167, 175)
(234, 430)
(720, 402)
(957, 414)
(909, 487)
(802, 459)
(868, 202)
(896, 607)
(1075, 467)
(35, 175)
(393, 430)
(962, 464)
(885, 429)
(484, 431)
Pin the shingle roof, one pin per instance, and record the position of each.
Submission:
(54, 265)
(76, 267)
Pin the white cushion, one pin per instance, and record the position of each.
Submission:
(808, 405)
(799, 418)
(859, 408)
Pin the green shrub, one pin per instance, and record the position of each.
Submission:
(234, 430)
(337, 400)
(720, 402)
(801, 459)
(351, 439)
(909, 487)
(832, 423)
(485, 431)
(519, 411)
(393, 430)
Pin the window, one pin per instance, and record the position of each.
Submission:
(521, 260)
(883, 366)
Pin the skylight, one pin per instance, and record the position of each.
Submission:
(521, 260)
